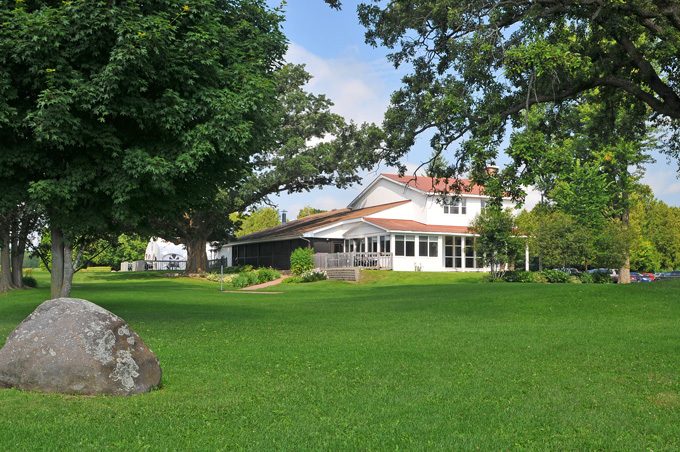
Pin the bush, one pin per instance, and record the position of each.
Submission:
(238, 269)
(540, 278)
(244, 280)
(556, 276)
(302, 260)
(518, 276)
(29, 281)
(215, 277)
(307, 277)
(313, 275)
(267, 274)
(586, 278)
(601, 278)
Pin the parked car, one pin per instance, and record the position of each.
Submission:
(570, 271)
(637, 277)
(670, 275)
(649, 275)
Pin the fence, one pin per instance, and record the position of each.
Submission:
(351, 260)
(138, 266)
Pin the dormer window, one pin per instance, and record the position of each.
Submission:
(454, 206)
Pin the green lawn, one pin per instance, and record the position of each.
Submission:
(401, 361)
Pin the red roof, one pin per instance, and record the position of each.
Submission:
(414, 226)
(300, 226)
(432, 185)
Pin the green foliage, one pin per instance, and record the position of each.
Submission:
(267, 274)
(29, 281)
(496, 243)
(110, 112)
(124, 248)
(586, 278)
(309, 210)
(478, 66)
(313, 276)
(556, 276)
(518, 276)
(244, 280)
(302, 260)
(259, 219)
(602, 278)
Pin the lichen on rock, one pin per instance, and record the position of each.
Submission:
(70, 345)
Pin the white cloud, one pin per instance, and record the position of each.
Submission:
(360, 90)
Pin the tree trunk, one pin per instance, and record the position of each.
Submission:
(17, 259)
(624, 271)
(62, 265)
(197, 257)
(5, 263)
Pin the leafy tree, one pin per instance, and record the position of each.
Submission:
(312, 147)
(497, 242)
(113, 111)
(656, 233)
(309, 210)
(124, 248)
(477, 65)
(259, 219)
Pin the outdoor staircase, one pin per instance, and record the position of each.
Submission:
(343, 274)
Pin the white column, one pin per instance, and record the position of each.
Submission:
(526, 257)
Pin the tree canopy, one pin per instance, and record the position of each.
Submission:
(477, 65)
(115, 110)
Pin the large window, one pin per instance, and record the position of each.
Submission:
(427, 246)
(455, 207)
(385, 243)
(405, 245)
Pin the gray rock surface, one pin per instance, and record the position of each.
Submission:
(73, 346)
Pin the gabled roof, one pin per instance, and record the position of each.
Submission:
(426, 185)
(433, 185)
(415, 226)
(296, 228)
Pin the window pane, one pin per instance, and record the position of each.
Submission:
(422, 246)
(399, 245)
(410, 248)
(446, 209)
(433, 249)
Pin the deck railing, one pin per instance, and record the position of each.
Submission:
(351, 260)
(138, 266)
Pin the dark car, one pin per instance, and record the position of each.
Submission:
(670, 275)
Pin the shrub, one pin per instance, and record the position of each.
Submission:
(556, 276)
(586, 278)
(244, 280)
(313, 275)
(238, 269)
(267, 274)
(601, 278)
(302, 260)
(490, 278)
(215, 277)
(518, 276)
(29, 281)
(540, 278)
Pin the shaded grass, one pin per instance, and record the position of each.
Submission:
(415, 361)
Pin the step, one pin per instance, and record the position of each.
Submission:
(343, 274)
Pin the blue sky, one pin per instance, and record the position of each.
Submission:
(359, 80)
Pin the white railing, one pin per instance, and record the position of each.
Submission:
(139, 266)
(351, 260)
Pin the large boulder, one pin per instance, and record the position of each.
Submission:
(72, 346)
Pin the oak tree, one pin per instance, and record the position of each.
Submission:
(117, 110)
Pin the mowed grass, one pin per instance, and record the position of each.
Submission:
(400, 361)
